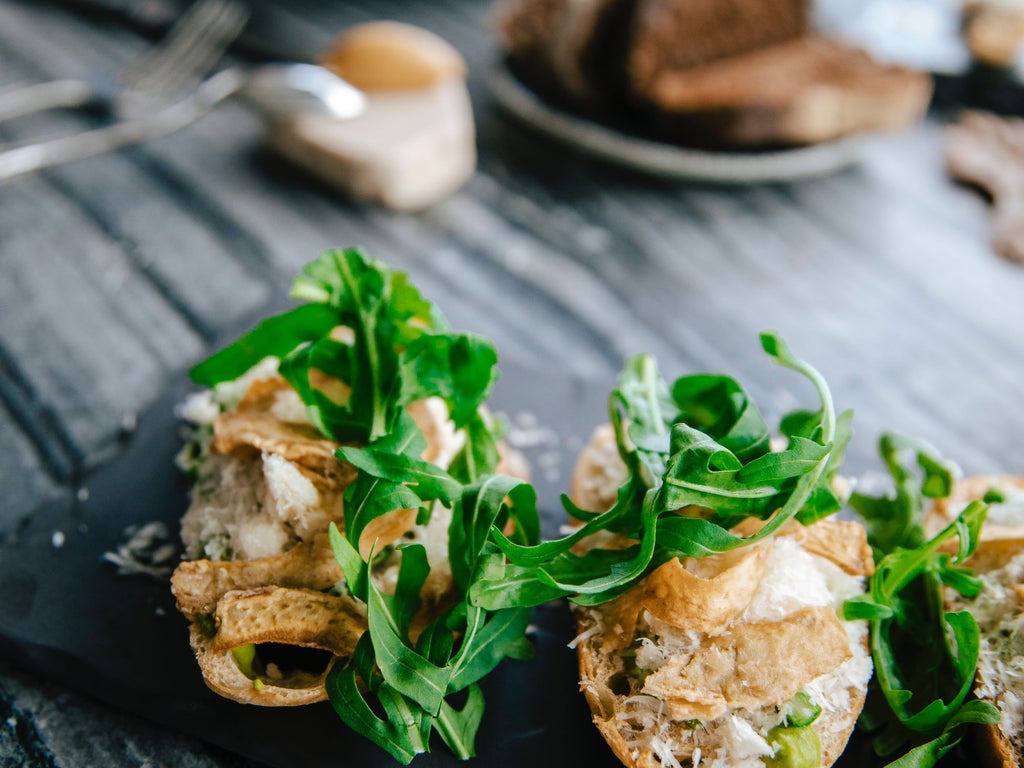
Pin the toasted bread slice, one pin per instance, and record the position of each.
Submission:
(704, 660)
(676, 35)
(999, 609)
(720, 691)
(803, 91)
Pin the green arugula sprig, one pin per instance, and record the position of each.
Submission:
(397, 349)
(368, 329)
(412, 682)
(701, 444)
(925, 657)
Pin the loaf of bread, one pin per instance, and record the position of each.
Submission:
(738, 659)
(574, 50)
(713, 74)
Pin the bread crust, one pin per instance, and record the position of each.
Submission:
(994, 749)
(198, 585)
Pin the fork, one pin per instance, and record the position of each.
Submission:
(274, 89)
(194, 44)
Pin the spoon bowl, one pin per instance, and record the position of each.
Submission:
(286, 89)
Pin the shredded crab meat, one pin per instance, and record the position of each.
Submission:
(795, 580)
(585, 635)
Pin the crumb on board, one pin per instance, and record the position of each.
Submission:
(147, 550)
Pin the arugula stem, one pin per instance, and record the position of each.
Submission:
(366, 333)
(650, 379)
(802, 492)
(786, 359)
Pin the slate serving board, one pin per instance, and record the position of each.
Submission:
(66, 615)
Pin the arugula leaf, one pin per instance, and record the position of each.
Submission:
(426, 480)
(460, 368)
(370, 331)
(475, 515)
(276, 336)
(458, 728)
(480, 453)
(928, 754)
(700, 446)
(488, 640)
(719, 407)
(895, 521)
(353, 566)
(925, 657)
(418, 677)
(401, 734)
(403, 668)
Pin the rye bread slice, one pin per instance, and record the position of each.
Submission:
(804, 91)
(676, 35)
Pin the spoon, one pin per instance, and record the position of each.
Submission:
(286, 89)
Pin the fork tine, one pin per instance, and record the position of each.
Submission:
(178, 39)
(205, 50)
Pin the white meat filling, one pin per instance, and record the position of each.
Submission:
(248, 508)
(795, 580)
(1000, 617)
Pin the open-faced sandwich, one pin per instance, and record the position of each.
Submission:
(998, 607)
(346, 474)
(708, 579)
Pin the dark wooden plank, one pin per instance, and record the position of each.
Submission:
(183, 245)
(94, 338)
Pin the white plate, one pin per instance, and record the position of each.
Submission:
(667, 160)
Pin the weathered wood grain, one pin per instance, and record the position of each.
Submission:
(94, 338)
(182, 244)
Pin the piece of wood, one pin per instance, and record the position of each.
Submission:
(881, 276)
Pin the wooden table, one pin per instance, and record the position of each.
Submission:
(116, 273)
